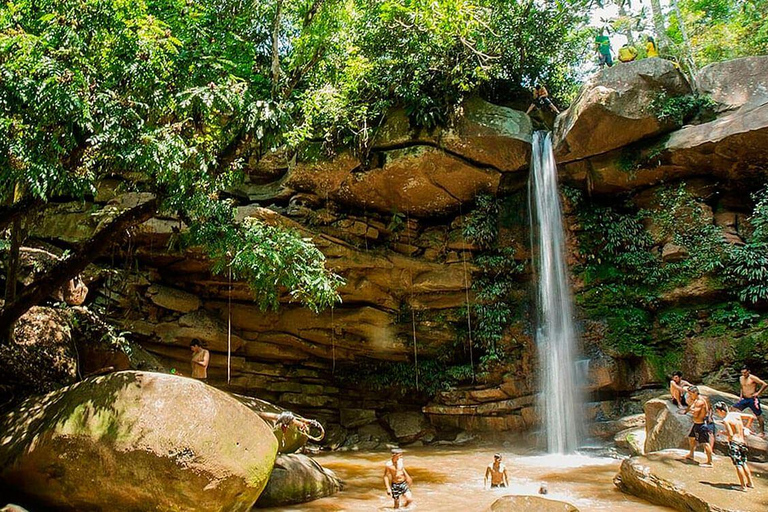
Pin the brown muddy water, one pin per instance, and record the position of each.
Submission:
(451, 479)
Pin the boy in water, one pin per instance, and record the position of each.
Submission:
(700, 432)
(737, 446)
(498, 473)
(397, 480)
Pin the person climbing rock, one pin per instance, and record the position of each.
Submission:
(677, 388)
(750, 396)
(285, 419)
(627, 53)
(200, 359)
(650, 47)
(700, 432)
(603, 49)
(497, 473)
(397, 480)
(541, 100)
(737, 446)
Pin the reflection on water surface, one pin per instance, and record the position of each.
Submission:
(451, 479)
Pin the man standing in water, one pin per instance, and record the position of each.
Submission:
(397, 480)
(498, 473)
(750, 396)
(737, 446)
(700, 432)
(200, 359)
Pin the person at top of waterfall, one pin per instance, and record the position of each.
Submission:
(200, 359)
(627, 53)
(737, 446)
(650, 47)
(397, 481)
(677, 388)
(749, 396)
(700, 432)
(497, 472)
(603, 49)
(541, 100)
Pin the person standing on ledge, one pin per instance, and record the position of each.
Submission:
(677, 388)
(737, 446)
(541, 100)
(200, 359)
(750, 396)
(700, 432)
(603, 49)
(650, 47)
(397, 480)
(498, 473)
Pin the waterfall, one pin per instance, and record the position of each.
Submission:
(555, 334)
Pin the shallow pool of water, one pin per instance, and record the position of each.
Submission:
(451, 479)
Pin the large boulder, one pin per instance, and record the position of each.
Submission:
(136, 441)
(667, 428)
(409, 426)
(297, 478)
(736, 83)
(664, 479)
(613, 109)
(289, 440)
(517, 503)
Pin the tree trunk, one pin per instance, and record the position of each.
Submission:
(276, 49)
(662, 40)
(70, 267)
(627, 30)
(688, 53)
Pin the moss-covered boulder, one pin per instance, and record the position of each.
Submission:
(136, 441)
(297, 478)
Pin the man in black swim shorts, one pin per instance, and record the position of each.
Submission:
(397, 481)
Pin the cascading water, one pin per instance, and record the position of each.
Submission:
(556, 335)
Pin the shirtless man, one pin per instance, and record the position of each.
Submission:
(750, 396)
(737, 447)
(498, 473)
(200, 359)
(700, 433)
(397, 480)
(677, 388)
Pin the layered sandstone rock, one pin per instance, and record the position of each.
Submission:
(665, 479)
(136, 441)
(613, 109)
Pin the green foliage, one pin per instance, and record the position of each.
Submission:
(678, 323)
(747, 268)
(481, 227)
(400, 377)
(681, 109)
(735, 316)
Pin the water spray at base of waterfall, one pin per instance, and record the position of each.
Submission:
(561, 399)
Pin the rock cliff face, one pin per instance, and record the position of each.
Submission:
(397, 224)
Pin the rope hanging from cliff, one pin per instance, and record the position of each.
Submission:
(413, 310)
(466, 296)
(229, 327)
(333, 342)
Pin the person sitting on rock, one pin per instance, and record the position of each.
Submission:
(700, 432)
(737, 446)
(200, 359)
(627, 53)
(497, 473)
(541, 100)
(678, 388)
(749, 396)
(650, 47)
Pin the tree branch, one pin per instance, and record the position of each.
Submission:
(11, 212)
(69, 267)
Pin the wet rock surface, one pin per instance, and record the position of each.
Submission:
(664, 479)
(517, 503)
(296, 479)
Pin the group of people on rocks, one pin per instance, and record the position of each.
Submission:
(736, 425)
(627, 53)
